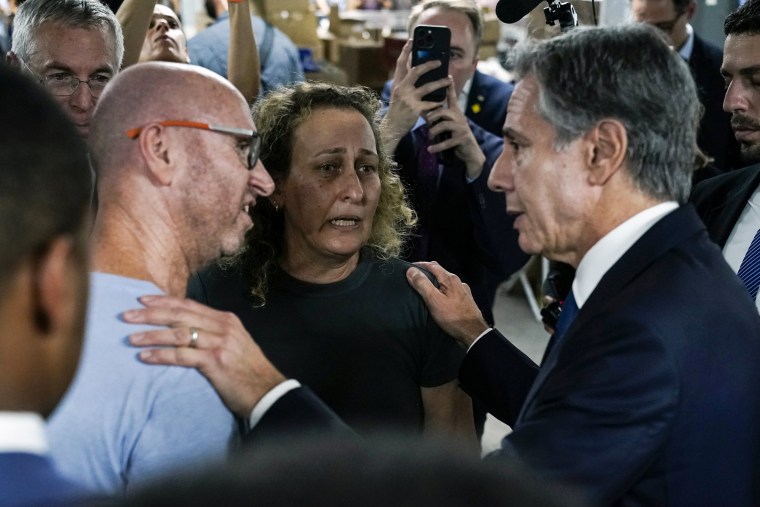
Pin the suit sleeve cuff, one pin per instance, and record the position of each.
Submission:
(270, 399)
(479, 337)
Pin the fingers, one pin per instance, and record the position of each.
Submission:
(413, 74)
(430, 87)
(404, 61)
(177, 312)
(420, 283)
(451, 96)
(435, 268)
(173, 357)
(175, 337)
(451, 142)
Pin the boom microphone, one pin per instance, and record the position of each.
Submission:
(512, 11)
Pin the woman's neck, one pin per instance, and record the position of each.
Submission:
(312, 270)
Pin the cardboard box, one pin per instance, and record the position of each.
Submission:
(491, 28)
(487, 51)
(363, 63)
(267, 7)
(330, 47)
(300, 26)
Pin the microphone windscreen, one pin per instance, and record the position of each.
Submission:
(512, 11)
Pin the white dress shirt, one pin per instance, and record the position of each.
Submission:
(608, 250)
(22, 432)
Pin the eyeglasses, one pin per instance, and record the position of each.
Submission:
(63, 84)
(253, 137)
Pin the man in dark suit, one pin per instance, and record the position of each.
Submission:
(726, 201)
(730, 204)
(460, 221)
(626, 391)
(715, 137)
(45, 188)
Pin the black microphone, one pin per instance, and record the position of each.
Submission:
(512, 11)
(564, 12)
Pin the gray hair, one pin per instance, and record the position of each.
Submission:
(467, 7)
(628, 73)
(88, 14)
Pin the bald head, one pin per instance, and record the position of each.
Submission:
(172, 144)
(154, 92)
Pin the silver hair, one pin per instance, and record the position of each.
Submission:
(72, 13)
(628, 73)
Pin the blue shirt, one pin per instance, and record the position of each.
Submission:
(282, 66)
(122, 422)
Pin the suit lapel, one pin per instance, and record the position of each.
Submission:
(668, 232)
(722, 218)
(473, 99)
(697, 58)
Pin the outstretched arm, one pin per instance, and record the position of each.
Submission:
(243, 66)
(134, 16)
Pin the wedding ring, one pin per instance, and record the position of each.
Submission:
(193, 337)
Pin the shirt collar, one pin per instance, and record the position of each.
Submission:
(420, 122)
(688, 46)
(22, 432)
(465, 95)
(608, 250)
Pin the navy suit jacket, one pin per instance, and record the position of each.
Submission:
(470, 233)
(297, 412)
(715, 136)
(486, 102)
(721, 200)
(652, 397)
(31, 480)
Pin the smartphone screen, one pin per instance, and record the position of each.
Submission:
(430, 42)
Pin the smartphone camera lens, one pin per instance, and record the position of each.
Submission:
(424, 40)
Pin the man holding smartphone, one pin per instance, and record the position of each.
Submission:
(445, 159)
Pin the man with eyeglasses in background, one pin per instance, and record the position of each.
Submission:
(175, 180)
(672, 17)
(72, 47)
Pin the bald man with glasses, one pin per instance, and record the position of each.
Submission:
(175, 181)
(714, 136)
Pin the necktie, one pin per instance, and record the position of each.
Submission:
(427, 171)
(566, 317)
(749, 271)
(427, 185)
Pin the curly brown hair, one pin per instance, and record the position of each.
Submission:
(277, 117)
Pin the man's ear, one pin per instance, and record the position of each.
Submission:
(54, 296)
(691, 10)
(156, 151)
(606, 150)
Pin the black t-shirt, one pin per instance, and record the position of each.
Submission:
(365, 344)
